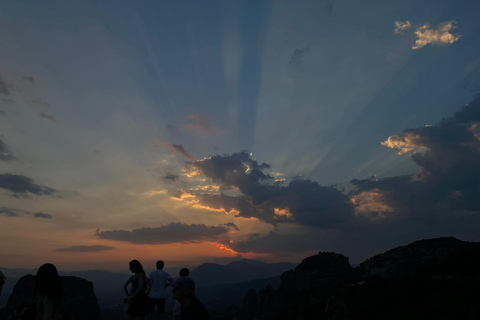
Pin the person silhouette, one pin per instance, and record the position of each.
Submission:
(3, 279)
(190, 307)
(184, 272)
(48, 293)
(137, 299)
(157, 281)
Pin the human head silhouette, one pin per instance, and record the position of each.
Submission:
(184, 272)
(136, 266)
(47, 281)
(160, 264)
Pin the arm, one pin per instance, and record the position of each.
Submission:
(125, 286)
(169, 282)
(149, 285)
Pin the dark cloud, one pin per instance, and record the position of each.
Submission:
(14, 212)
(7, 101)
(172, 128)
(171, 233)
(329, 7)
(47, 116)
(29, 79)
(85, 249)
(42, 215)
(5, 154)
(5, 87)
(302, 201)
(2, 113)
(21, 185)
(39, 102)
(297, 56)
(97, 152)
(448, 154)
(231, 225)
(180, 150)
(11, 212)
(171, 177)
(273, 243)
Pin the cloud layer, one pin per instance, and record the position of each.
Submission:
(85, 249)
(19, 184)
(302, 201)
(172, 233)
(448, 154)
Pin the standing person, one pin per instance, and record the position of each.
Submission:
(158, 280)
(2, 281)
(137, 300)
(184, 272)
(190, 307)
(48, 293)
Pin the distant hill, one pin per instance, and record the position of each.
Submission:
(209, 274)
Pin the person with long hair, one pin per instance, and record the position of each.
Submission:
(48, 293)
(2, 281)
(137, 299)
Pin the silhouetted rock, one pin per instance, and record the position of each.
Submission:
(250, 304)
(427, 279)
(440, 256)
(79, 298)
(315, 269)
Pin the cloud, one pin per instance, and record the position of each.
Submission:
(172, 128)
(400, 26)
(303, 201)
(329, 6)
(448, 155)
(85, 249)
(29, 79)
(3, 113)
(42, 215)
(6, 88)
(47, 116)
(5, 154)
(14, 212)
(231, 225)
(171, 177)
(180, 150)
(39, 102)
(274, 243)
(97, 152)
(21, 185)
(171, 233)
(297, 56)
(440, 35)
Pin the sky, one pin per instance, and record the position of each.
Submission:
(208, 131)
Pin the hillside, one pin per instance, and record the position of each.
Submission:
(209, 274)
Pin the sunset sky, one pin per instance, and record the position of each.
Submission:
(202, 131)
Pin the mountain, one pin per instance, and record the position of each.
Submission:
(427, 279)
(209, 274)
